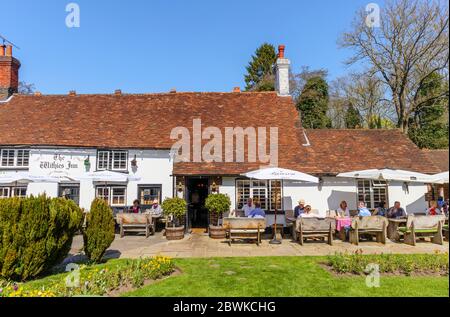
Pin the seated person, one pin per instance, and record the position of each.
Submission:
(381, 210)
(396, 212)
(136, 208)
(362, 210)
(300, 208)
(155, 209)
(248, 207)
(433, 210)
(343, 210)
(307, 212)
(257, 212)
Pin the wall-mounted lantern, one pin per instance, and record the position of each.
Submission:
(87, 162)
(180, 187)
(134, 162)
(214, 187)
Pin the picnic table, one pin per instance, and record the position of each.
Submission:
(392, 229)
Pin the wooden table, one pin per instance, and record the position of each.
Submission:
(392, 229)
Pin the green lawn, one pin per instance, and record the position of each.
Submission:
(281, 276)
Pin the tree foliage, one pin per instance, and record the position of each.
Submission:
(175, 207)
(352, 118)
(218, 203)
(260, 70)
(36, 233)
(100, 229)
(313, 104)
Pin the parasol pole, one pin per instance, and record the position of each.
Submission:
(274, 240)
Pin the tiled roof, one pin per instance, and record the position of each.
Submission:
(145, 121)
(439, 158)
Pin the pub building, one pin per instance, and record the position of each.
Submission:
(69, 136)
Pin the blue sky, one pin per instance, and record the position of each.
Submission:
(155, 45)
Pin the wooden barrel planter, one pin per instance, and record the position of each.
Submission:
(176, 233)
(216, 232)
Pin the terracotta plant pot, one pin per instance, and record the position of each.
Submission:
(216, 232)
(175, 233)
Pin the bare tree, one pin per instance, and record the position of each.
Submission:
(410, 45)
(26, 89)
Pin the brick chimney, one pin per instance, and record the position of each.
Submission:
(282, 73)
(9, 72)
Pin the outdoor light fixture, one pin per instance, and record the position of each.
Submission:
(87, 162)
(134, 162)
(214, 187)
(180, 187)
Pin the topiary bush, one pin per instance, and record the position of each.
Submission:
(99, 232)
(218, 204)
(36, 233)
(175, 207)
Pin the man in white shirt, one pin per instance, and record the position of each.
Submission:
(248, 207)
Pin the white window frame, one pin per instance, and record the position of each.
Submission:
(373, 185)
(110, 194)
(11, 191)
(254, 190)
(108, 158)
(13, 161)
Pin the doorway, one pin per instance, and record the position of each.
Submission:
(197, 192)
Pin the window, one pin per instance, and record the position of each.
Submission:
(14, 158)
(112, 160)
(264, 192)
(70, 191)
(372, 192)
(148, 193)
(113, 195)
(13, 191)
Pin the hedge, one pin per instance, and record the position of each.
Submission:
(36, 233)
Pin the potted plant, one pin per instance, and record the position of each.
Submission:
(175, 208)
(217, 204)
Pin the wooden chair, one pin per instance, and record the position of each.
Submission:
(244, 228)
(370, 225)
(423, 226)
(315, 228)
(135, 223)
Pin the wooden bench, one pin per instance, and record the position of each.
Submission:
(370, 225)
(445, 232)
(135, 223)
(423, 226)
(315, 228)
(244, 228)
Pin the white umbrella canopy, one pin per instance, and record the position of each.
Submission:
(26, 177)
(389, 174)
(441, 178)
(108, 176)
(276, 173)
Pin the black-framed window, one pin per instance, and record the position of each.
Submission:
(13, 158)
(148, 193)
(70, 191)
(112, 160)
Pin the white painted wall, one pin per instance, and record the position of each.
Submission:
(154, 167)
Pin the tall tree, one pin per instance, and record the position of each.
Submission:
(260, 70)
(353, 118)
(410, 44)
(313, 104)
(429, 126)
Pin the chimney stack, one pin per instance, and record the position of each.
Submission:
(237, 89)
(282, 73)
(9, 72)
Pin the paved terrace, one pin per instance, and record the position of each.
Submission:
(200, 245)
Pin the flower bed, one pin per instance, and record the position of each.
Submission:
(99, 280)
(404, 264)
